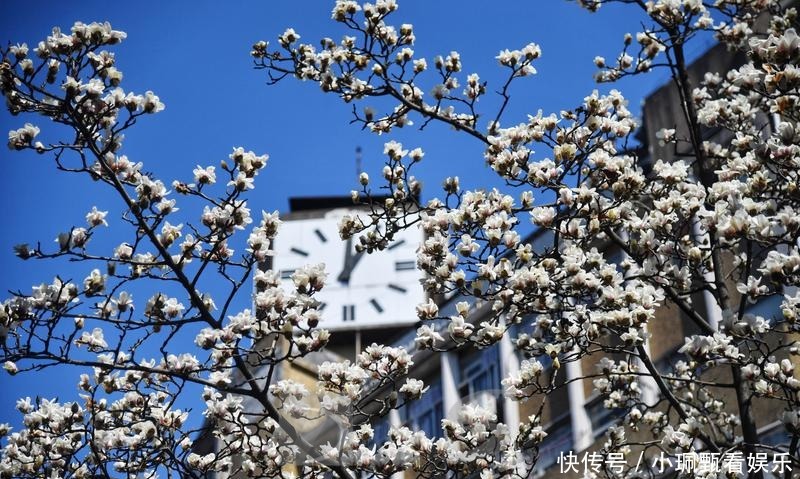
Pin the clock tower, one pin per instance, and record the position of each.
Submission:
(367, 297)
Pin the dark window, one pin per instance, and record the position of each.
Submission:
(426, 413)
(558, 440)
(480, 373)
(601, 417)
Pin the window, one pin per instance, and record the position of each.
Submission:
(525, 326)
(666, 364)
(769, 308)
(380, 431)
(480, 379)
(426, 413)
(528, 326)
(601, 417)
(775, 435)
(481, 372)
(558, 440)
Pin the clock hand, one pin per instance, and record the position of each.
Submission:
(350, 261)
(344, 276)
(354, 259)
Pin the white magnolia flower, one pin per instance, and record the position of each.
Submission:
(413, 388)
(427, 337)
(205, 176)
(22, 137)
(96, 217)
(10, 367)
(94, 341)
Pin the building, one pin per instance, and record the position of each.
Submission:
(575, 416)
(367, 298)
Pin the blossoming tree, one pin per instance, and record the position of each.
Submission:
(722, 223)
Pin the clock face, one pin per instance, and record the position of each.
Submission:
(363, 290)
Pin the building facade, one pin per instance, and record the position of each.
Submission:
(575, 416)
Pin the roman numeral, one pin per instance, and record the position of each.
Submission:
(349, 312)
(375, 304)
(321, 306)
(320, 235)
(299, 251)
(396, 244)
(397, 288)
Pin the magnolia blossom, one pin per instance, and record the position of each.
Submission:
(95, 340)
(205, 175)
(413, 388)
(619, 237)
(21, 138)
(10, 367)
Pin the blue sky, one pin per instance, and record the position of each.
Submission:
(195, 56)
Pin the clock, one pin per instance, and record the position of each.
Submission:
(363, 291)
